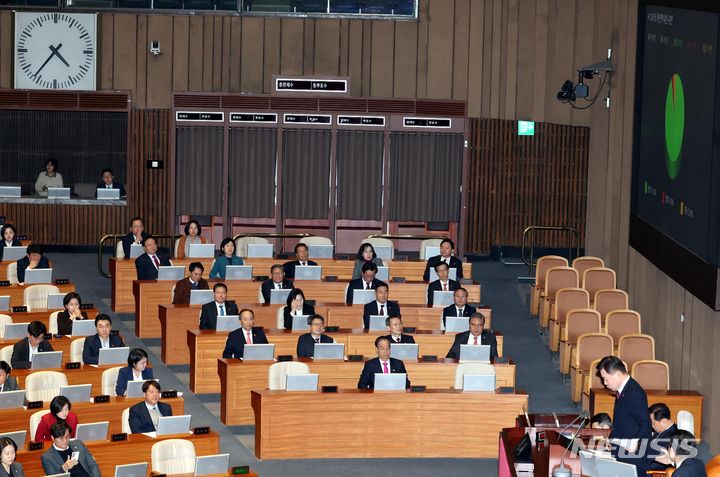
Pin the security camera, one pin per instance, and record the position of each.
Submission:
(567, 91)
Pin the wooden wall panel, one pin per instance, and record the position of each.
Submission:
(382, 58)
(196, 54)
(159, 67)
(6, 50)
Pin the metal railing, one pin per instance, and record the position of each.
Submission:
(270, 235)
(408, 236)
(545, 228)
(115, 238)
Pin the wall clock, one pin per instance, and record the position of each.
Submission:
(55, 50)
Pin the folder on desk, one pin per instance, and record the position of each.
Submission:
(168, 425)
(479, 382)
(92, 431)
(441, 299)
(404, 351)
(113, 355)
(456, 324)
(10, 191)
(260, 250)
(211, 464)
(320, 250)
(103, 193)
(383, 274)
(134, 388)
(329, 351)
(383, 252)
(362, 297)
(258, 352)
(390, 381)
(200, 297)
(452, 274)
(300, 323)
(58, 192)
(377, 323)
(474, 353)
(76, 392)
(131, 470)
(301, 382)
(279, 297)
(310, 272)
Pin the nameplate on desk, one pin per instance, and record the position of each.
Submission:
(418, 389)
(355, 357)
(429, 358)
(240, 470)
(19, 309)
(328, 389)
(61, 281)
(34, 404)
(501, 360)
(4, 283)
(35, 446)
(86, 306)
(332, 329)
(101, 399)
(506, 390)
(409, 329)
(398, 280)
(114, 332)
(331, 278)
(73, 365)
(48, 336)
(21, 237)
(261, 278)
(122, 436)
(197, 431)
(168, 394)
(284, 357)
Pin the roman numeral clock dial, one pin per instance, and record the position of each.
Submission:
(55, 50)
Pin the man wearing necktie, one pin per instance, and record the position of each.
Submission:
(395, 327)
(246, 334)
(367, 281)
(460, 307)
(381, 306)
(144, 415)
(476, 335)
(148, 263)
(447, 248)
(194, 281)
(218, 307)
(306, 342)
(382, 364)
(277, 281)
(7, 382)
(443, 283)
(301, 252)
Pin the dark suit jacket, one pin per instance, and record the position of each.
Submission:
(659, 440)
(404, 339)
(139, 417)
(289, 267)
(128, 240)
(16, 470)
(359, 284)
(306, 344)
(115, 185)
(9, 385)
(691, 468)
(21, 353)
(91, 348)
(631, 420)
(208, 315)
(287, 317)
(372, 366)
(486, 338)
(235, 344)
(454, 263)
(24, 262)
(452, 311)
(437, 286)
(64, 323)
(15, 243)
(182, 290)
(125, 374)
(392, 308)
(146, 268)
(268, 285)
(52, 462)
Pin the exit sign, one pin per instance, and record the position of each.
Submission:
(526, 128)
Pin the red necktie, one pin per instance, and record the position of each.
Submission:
(475, 338)
(385, 368)
(382, 309)
(157, 262)
(445, 287)
(248, 340)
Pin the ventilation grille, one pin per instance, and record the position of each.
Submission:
(104, 101)
(343, 104)
(442, 108)
(294, 104)
(52, 99)
(196, 101)
(246, 102)
(391, 106)
(13, 97)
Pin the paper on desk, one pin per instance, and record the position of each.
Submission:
(152, 434)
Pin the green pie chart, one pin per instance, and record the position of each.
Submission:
(674, 125)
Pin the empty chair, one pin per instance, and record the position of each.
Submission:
(242, 243)
(35, 296)
(109, 380)
(471, 368)
(119, 252)
(3, 320)
(583, 263)
(76, 350)
(428, 243)
(596, 279)
(578, 322)
(651, 374)
(12, 273)
(381, 242)
(278, 371)
(590, 346)
(125, 421)
(622, 322)
(686, 421)
(173, 456)
(280, 317)
(52, 323)
(35, 418)
(556, 279)
(316, 241)
(541, 267)
(635, 347)
(610, 299)
(593, 381)
(175, 247)
(44, 385)
(6, 353)
(566, 299)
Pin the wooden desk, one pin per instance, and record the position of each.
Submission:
(238, 378)
(109, 454)
(17, 292)
(59, 344)
(351, 420)
(602, 400)
(43, 315)
(85, 374)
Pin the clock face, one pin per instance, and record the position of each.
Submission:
(55, 51)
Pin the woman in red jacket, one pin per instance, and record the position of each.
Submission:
(59, 411)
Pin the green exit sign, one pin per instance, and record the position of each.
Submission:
(526, 128)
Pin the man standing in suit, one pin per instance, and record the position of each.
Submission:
(24, 349)
(366, 282)
(217, 307)
(443, 283)
(277, 281)
(58, 459)
(101, 339)
(34, 260)
(136, 235)
(631, 421)
(395, 327)
(380, 305)
(447, 247)
(476, 335)
(246, 334)
(148, 263)
(682, 452)
(194, 281)
(301, 253)
(382, 364)
(663, 427)
(7, 382)
(306, 342)
(144, 415)
(459, 307)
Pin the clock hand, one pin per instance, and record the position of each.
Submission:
(57, 52)
(46, 62)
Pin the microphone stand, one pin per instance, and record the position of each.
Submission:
(564, 470)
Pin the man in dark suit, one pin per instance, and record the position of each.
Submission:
(57, 459)
(382, 364)
(101, 339)
(26, 347)
(136, 235)
(663, 427)
(277, 281)
(246, 334)
(301, 253)
(395, 327)
(34, 260)
(443, 283)
(306, 342)
(460, 306)
(194, 281)
(682, 452)
(366, 282)
(631, 421)
(476, 335)
(7, 382)
(218, 307)
(447, 247)
(148, 263)
(144, 415)
(380, 305)
(108, 182)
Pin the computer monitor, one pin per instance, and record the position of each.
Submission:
(168, 425)
(329, 351)
(47, 360)
(200, 297)
(377, 323)
(383, 274)
(299, 323)
(452, 274)
(103, 193)
(211, 464)
(479, 382)
(260, 250)
(238, 272)
(404, 351)
(10, 191)
(201, 250)
(58, 192)
(431, 251)
(83, 328)
(4, 302)
(55, 301)
(588, 463)
(301, 382)
(18, 437)
(279, 297)
(131, 470)
(15, 253)
(313, 272)
(12, 399)
(113, 355)
(77, 392)
(475, 353)
(38, 275)
(441, 299)
(136, 250)
(456, 324)
(383, 251)
(92, 431)
(170, 273)
(258, 352)
(227, 323)
(320, 250)
(612, 468)
(362, 297)
(390, 381)
(15, 331)
(134, 388)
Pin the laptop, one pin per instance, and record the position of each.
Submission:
(38, 275)
(301, 382)
(329, 351)
(15, 331)
(479, 382)
(259, 352)
(300, 323)
(260, 250)
(279, 297)
(136, 250)
(14, 253)
(383, 274)
(58, 192)
(431, 251)
(168, 425)
(320, 250)
(83, 328)
(212, 464)
(200, 297)
(107, 194)
(173, 273)
(312, 272)
(475, 353)
(377, 323)
(134, 388)
(383, 251)
(92, 431)
(132, 470)
(227, 323)
(113, 356)
(238, 272)
(404, 351)
(362, 297)
(12, 399)
(452, 274)
(456, 324)
(390, 381)
(441, 299)
(67, 474)
(588, 463)
(10, 191)
(4, 302)
(612, 468)
(18, 438)
(47, 360)
(201, 250)
(55, 301)
(77, 392)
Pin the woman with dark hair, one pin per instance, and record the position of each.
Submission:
(365, 255)
(8, 451)
(296, 306)
(192, 235)
(59, 411)
(228, 257)
(65, 318)
(136, 370)
(50, 177)
(7, 238)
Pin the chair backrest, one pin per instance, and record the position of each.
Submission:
(607, 300)
(242, 243)
(543, 265)
(622, 322)
(379, 241)
(175, 247)
(558, 278)
(428, 243)
(35, 421)
(596, 279)
(280, 318)
(125, 421)
(686, 421)
(316, 241)
(172, 293)
(579, 322)
(173, 456)
(76, 349)
(44, 385)
(109, 380)
(119, 252)
(583, 263)
(567, 299)
(592, 346)
(651, 374)
(471, 368)
(635, 347)
(6, 353)
(35, 296)
(278, 371)
(12, 273)
(595, 380)
(261, 298)
(3, 320)
(52, 323)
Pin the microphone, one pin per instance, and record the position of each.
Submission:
(582, 415)
(557, 423)
(564, 470)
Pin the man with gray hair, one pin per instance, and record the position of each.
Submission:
(476, 335)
